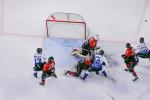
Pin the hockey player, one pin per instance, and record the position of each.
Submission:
(130, 60)
(48, 70)
(87, 47)
(83, 64)
(39, 61)
(97, 65)
(143, 49)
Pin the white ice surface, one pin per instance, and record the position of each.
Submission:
(17, 82)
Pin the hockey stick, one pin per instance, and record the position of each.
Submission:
(111, 96)
(109, 77)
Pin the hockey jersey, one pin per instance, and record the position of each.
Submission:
(129, 52)
(99, 61)
(130, 56)
(143, 48)
(48, 66)
(39, 58)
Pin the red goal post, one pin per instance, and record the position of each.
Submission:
(66, 25)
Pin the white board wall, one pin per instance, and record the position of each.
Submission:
(114, 20)
(145, 23)
(1, 16)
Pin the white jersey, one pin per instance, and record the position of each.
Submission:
(98, 61)
(143, 47)
(39, 58)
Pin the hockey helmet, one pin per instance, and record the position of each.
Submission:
(51, 58)
(128, 45)
(39, 50)
(96, 37)
(88, 61)
(141, 40)
(101, 52)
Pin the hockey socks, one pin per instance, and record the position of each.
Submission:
(135, 75)
(35, 74)
(85, 76)
(104, 73)
(70, 73)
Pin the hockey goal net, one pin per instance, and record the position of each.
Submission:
(66, 25)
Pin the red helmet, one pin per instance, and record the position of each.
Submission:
(88, 61)
(92, 42)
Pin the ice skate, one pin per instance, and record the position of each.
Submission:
(135, 78)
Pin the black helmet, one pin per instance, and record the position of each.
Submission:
(101, 52)
(128, 45)
(141, 40)
(39, 50)
(51, 58)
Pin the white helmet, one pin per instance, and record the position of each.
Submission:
(96, 37)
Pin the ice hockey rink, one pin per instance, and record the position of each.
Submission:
(22, 30)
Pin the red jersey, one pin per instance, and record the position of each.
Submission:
(92, 42)
(48, 66)
(129, 52)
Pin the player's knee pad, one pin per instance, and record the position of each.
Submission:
(97, 72)
(35, 68)
(137, 60)
(43, 75)
(84, 52)
(133, 65)
(131, 70)
(90, 70)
